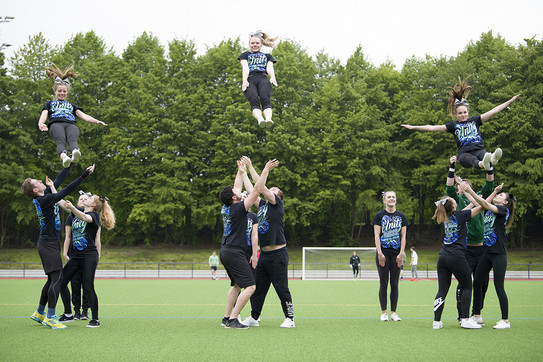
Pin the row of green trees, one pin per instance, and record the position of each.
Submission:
(178, 121)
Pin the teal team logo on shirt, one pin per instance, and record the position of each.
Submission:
(390, 228)
(451, 230)
(490, 232)
(78, 234)
(41, 218)
(263, 225)
(227, 227)
(62, 109)
(467, 133)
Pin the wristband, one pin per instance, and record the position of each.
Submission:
(85, 174)
(451, 170)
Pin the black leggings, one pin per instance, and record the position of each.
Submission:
(259, 91)
(471, 158)
(498, 262)
(87, 265)
(272, 268)
(473, 255)
(391, 268)
(76, 294)
(355, 271)
(447, 266)
(51, 289)
(62, 132)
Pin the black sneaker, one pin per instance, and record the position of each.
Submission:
(224, 322)
(77, 315)
(94, 323)
(65, 319)
(84, 316)
(234, 323)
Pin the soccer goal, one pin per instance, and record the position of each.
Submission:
(322, 263)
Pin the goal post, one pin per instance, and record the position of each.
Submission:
(332, 263)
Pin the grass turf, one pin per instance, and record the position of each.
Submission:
(180, 320)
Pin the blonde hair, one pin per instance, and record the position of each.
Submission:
(107, 216)
(443, 211)
(266, 39)
(459, 92)
(60, 77)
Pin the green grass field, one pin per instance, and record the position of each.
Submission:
(157, 320)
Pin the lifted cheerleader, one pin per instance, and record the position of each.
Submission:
(471, 148)
(62, 113)
(256, 66)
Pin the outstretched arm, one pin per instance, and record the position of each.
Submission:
(78, 213)
(88, 118)
(450, 174)
(498, 109)
(73, 185)
(61, 177)
(260, 184)
(271, 73)
(428, 128)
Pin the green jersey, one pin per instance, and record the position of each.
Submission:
(214, 260)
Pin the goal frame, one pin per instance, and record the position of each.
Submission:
(351, 249)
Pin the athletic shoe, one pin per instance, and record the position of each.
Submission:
(384, 317)
(395, 317)
(37, 317)
(437, 325)
(486, 161)
(250, 322)
(262, 123)
(94, 323)
(65, 319)
(77, 315)
(76, 154)
(478, 320)
(287, 323)
(224, 321)
(235, 324)
(269, 123)
(496, 155)
(502, 325)
(84, 316)
(53, 323)
(470, 324)
(66, 161)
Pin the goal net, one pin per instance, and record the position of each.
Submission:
(322, 263)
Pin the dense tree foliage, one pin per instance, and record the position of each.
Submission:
(178, 121)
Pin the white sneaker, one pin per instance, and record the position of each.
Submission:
(239, 318)
(384, 317)
(470, 324)
(262, 123)
(66, 161)
(478, 320)
(269, 123)
(502, 325)
(76, 154)
(437, 325)
(288, 323)
(395, 317)
(486, 161)
(496, 155)
(250, 322)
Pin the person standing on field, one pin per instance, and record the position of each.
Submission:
(414, 262)
(213, 264)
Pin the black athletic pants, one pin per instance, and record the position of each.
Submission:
(76, 293)
(473, 255)
(259, 91)
(51, 289)
(62, 132)
(472, 157)
(87, 265)
(391, 268)
(355, 270)
(498, 262)
(272, 268)
(446, 266)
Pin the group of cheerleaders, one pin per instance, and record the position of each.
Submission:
(462, 206)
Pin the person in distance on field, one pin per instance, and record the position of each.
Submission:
(355, 264)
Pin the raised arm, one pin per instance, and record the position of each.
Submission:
(88, 118)
(498, 109)
(244, 74)
(78, 213)
(478, 199)
(475, 210)
(427, 128)
(271, 73)
(73, 185)
(238, 182)
(61, 177)
(260, 184)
